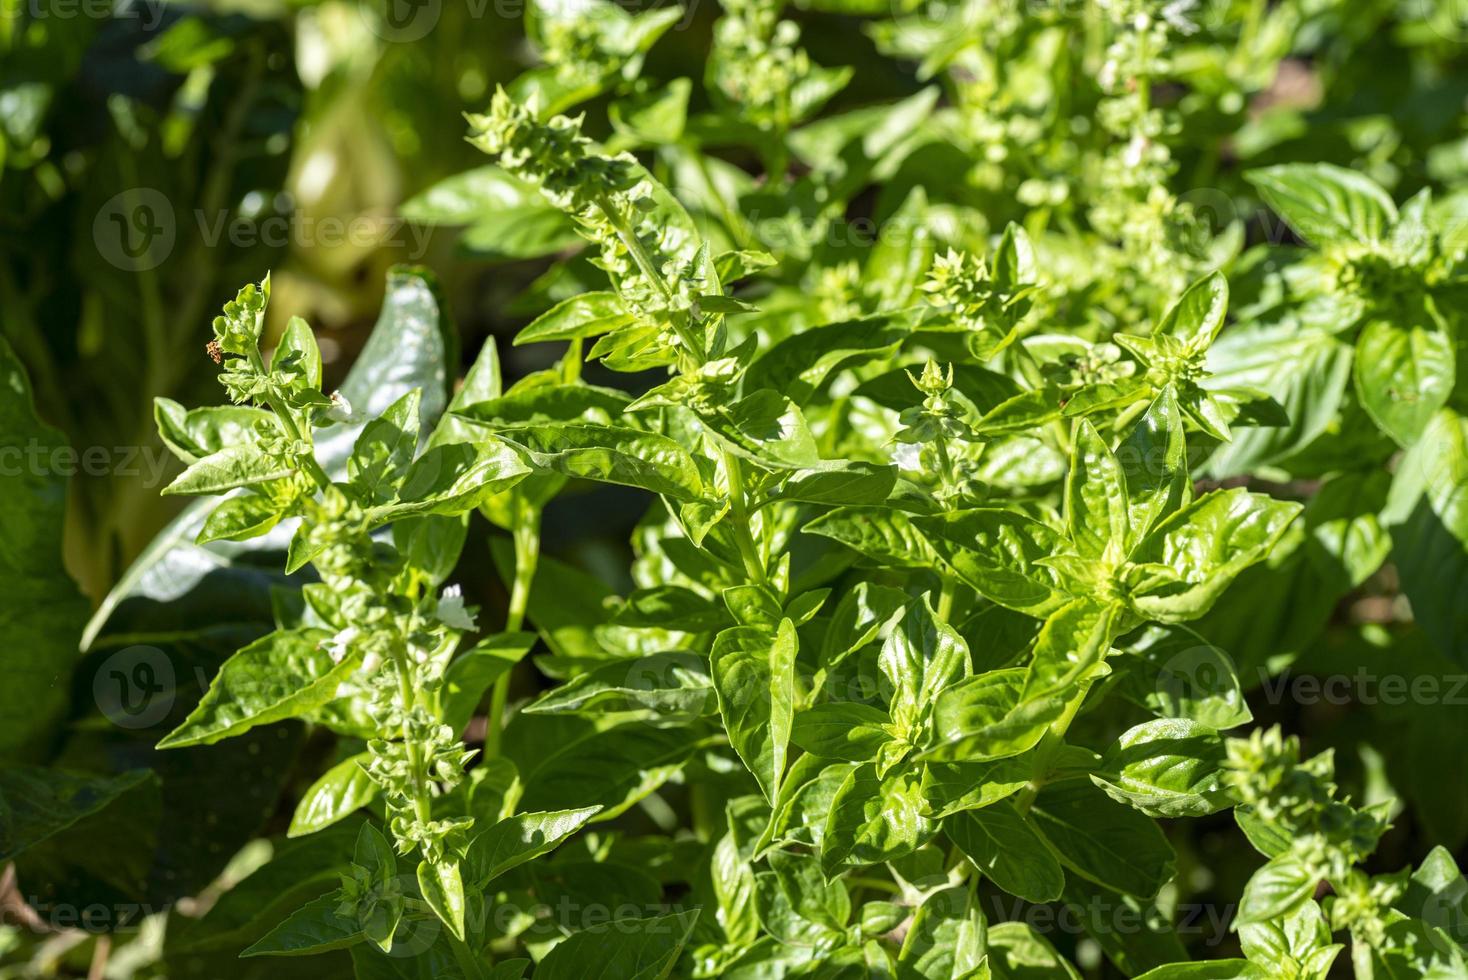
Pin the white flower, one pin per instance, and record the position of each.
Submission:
(907, 455)
(452, 612)
(1175, 14)
(341, 409)
(371, 662)
(337, 645)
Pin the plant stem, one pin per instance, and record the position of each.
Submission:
(468, 962)
(1050, 744)
(282, 414)
(527, 556)
(945, 598)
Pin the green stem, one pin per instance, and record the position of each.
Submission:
(945, 598)
(754, 566)
(469, 963)
(288, 423)
(527, 556)
(1044, 755)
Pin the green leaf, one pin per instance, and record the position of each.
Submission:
(1096, 510)
(753, 672)
(612, 768)
(1404, 374)
(767, 428)
(1197, 316)
(1427, 516)
(863, 613)
(844, 482)
(37, 803)
(1206, 545)
(1104, 842)
(454, 478)
(584, 315)
(1154, 464)
(1003, 846)
(671, 684)
(952, 787)
(298, 349)
(874, 819)
(1306, 369)
(921, 659)
(628, 949)
(341, 791)
(518, 839)
(230, 468)
(1325, 203)
(886, 537)
(195, 433)
(983, 719)
(43, 608)
(443, 890)
(1178, 674)
(1166, 768)
(1277, 889)
(284, 675)
(611, 454)
(946, 938)
(382, 453)
(845, 730)
(242, 517)
(1073, 642)
(317, 927)
(996, 553)
(473, 672)
(799, 364)
(1211, 970)
(1017, 952)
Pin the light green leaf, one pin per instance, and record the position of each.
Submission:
(1166, 768)
(518, 839)
(1096, 510)
(753, 672)
(611, 454)
(286, 674)
(1206, 545)
(1197, 316)
(671, 684)
(583, 315)
(228, 469)
(341, 791)
(1325, 203)
(845, 730)
(874, 819)
(921, 659)
(443, 890)
(886, 537)
(1404, 374)
(996, 552)
(383, 451)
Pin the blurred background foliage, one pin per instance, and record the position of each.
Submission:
(301, 138)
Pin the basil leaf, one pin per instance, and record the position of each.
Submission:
(1003, 846)
(284, 675)
(1166, 768)
(753, 672)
